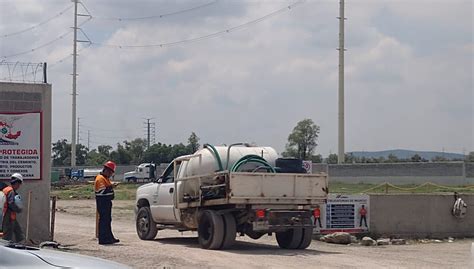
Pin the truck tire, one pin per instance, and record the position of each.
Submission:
(290, 239)
(230, 230)
(145, 225)
(307, 237)
(210, 230)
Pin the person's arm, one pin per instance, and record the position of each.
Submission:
(11, 202)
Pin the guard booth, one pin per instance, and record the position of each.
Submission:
(25, 147)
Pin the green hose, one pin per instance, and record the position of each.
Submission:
(216, 154)
(253, 159)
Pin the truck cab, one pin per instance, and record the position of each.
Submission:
(144, 171)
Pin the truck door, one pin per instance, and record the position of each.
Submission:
(165, 211)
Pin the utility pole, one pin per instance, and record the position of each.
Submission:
(341, 151)
(150, 131)
(88, 140)
(78, 130)
(74, 75)
(148, 134)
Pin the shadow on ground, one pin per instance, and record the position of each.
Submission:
(245, 248)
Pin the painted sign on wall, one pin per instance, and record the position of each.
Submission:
(308, 166)
(20, 145)
(344, 213)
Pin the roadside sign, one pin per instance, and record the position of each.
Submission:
(344, 213)
(308, 166)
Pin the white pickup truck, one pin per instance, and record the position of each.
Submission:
(247, 195)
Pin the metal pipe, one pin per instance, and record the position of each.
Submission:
(228, 152)
(53, 217)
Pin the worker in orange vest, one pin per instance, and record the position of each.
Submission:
(104, 194)
(317, 216)
(363, 214)
(10, 226)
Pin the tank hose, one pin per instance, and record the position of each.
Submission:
(216, 154)
(252, 159)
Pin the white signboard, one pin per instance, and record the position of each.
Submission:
(308, 166)
(344, 213)
(20, 145)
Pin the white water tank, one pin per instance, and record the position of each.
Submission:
(205, 161)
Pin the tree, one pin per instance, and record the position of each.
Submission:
(332, 158)
(416, 158)
(136, 149)
(96, 158)
(317, 158)
(121, 155)
(392, 158)
(193, 142)
(104, 150)
(303, 139)
(61, 151)
(470, 157)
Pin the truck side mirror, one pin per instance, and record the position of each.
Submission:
(159, 180)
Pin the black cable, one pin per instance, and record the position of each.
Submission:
(45, 44)
(156, 16)
(37, 25)
(232, 29)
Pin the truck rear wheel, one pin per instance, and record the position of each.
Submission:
(146, 226)
(307, 237)
(210, 230)
(230, 231)
(290, 239)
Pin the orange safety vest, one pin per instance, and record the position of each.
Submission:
(103, 186)
(7, 191)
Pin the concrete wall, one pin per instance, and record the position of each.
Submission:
(420, 215)
(446, 173)
(22, 97)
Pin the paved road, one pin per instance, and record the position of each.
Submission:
(171, 249)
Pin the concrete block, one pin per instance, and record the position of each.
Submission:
(13, 96)
(6, 105)
(32, 96)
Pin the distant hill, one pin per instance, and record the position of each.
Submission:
(405, 154)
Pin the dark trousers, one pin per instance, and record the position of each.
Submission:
(318, 219)
(365, 221)
(104, 207)
(11, 229)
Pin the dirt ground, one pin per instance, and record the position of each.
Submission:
(171, 249)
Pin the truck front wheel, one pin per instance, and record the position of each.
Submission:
(146, 227)
(290, 239)
(210, 230)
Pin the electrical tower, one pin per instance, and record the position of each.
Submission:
(150, 132)
(74, 78)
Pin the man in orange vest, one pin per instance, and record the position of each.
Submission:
(363, 214)
(104, 194)
(10, 226)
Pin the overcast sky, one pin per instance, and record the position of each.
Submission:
(409, 70)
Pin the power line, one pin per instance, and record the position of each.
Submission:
(45, 44)
(154, 16)
(229, 30)
(37, 25)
